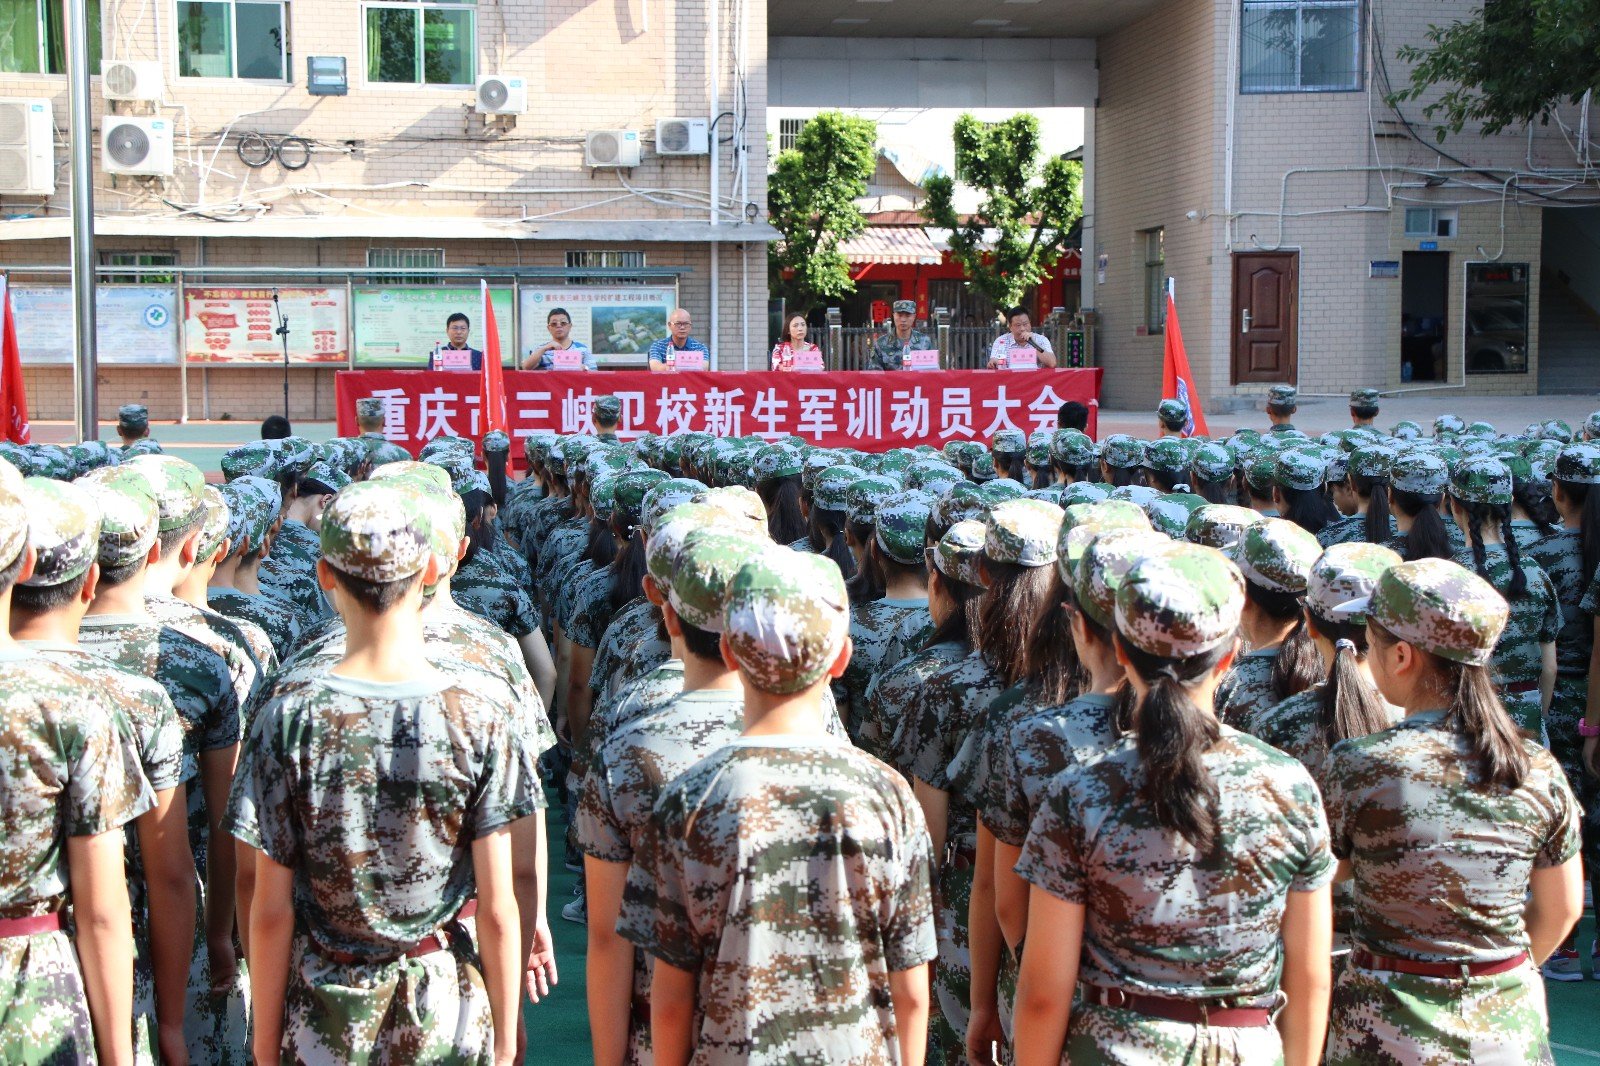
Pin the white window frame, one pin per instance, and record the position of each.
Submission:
(42, 26)
(1436, 216)
(789, 132)
(1300, 6)
(377, 278)
(606, 259)
(285, 76)
(1155, 304)
(419, 6)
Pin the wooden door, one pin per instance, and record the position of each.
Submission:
(1265, 298)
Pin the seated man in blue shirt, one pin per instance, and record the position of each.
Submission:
(664, 352)
(456, 328)
(559, 323)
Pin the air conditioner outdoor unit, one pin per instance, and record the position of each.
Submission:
(683, 136)
(498, 94)
(130, 145)
(27, 148)
(611, 148)
(125, 79)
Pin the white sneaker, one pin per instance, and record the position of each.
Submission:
(578, 911)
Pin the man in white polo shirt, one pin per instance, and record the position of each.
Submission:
(1034, 347)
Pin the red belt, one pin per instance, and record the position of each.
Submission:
(1366, 960)
(39, 923)
(426, 946)
(1187, 1011)
(1521, 686)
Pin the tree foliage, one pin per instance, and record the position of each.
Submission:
(811, 198)
(1029, 203)
(1513, 62)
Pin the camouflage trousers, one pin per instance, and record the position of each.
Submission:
(952, 970)
(1566, 711)
(1525, 709)
(216, 1022)
(1125, 1038)
(44, 1016)
(1394, 1017)
(1006, 991)
(430, 1009)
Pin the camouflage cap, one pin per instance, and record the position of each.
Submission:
(775, 461)
(1371, 462)
(1282, 397)
(258, 457)
(448, 444)
(1277, 554)
(814, 464)
(377, 531)
(1364, 398)
(1008, 442)
(671, 529)
(981, 467)
(53, 461)
(368, 407)
(1212, 462)
(385, 453)
(961, 502)
(1050, 494)
(787, 619)
(496, 441)
(1082, 522)
(1419, 472)
(630, 491)
(1038, 454)
(433, 474)
(1170, 513)
(1220, 525)
(901, 525)
(1022, 533)
(1406, 430)
(1167, 456)
(176, 485)
(1440, 607)
(133, 417)
(738, 502)
(830, 492)
(704, 569)
(1344, 574)
(905, 307)
(1000, 490)
(129, 517)
(1182, 601)
(1579, 464)
(213, 524)
(924, 472)
(1174, 414)
(663, 496)
(1481, 479)
(1299, 470)
(295, 454)
(1483, 430)
(1106, 560)
(865, 493)
(607, 409)
(959, 553)
(92, 454)
(1557, 430)
(330, 477)
(247, 518)
(1448, 425)
(1259, 470)
(1122, 452)
(1138, 495)
(1591, 426)
(1084, 492)
(1071, 447)
(1335, 465)
(63, 525)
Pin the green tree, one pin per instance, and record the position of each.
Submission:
(1511, 63)
(811, 200)
(1029, 203)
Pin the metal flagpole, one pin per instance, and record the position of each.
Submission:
(87, 411)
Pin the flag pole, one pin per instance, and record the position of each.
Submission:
(86, 410)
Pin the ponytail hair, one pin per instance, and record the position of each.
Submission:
(1173, 735)
(1307, 508)
(628, 568)
(1011, 607)
(1120, 476)
(1588, 522)
(1539, 507)
(963, 621)
(601, 548)
(1477, 515)
(1427, 538)
(1215, 491)
(1347, 706)
(867, 583)
(827, 538)
(1493, 738)
(1053, 670)
(495, 464)
(1375, 490)
(786, 522)
(1298, 665)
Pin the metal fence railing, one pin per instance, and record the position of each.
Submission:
(960, 347)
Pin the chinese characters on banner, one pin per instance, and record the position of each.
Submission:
(864, 410)
(238, 325)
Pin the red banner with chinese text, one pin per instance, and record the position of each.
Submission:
(868, 410)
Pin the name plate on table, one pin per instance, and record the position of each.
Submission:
(809, 360)
(453, 359)
(1023, 358)
(923, 359)
(571, 359)
(689, 360)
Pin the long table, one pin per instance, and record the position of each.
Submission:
(867, 410)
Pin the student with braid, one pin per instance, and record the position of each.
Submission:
(1275, 556)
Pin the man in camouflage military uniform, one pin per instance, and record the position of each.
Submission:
(724, 985)
(890, 348)
(1364, 408)
(1442, 857)
(234, 589)
(1172, 418)
(369, 420)
(46, 609)
(1275, 556)
(607, 412)
(1282, 402)
(369, 959)
(199, 678)
(70, 779)
(289, 572)
(133, 425)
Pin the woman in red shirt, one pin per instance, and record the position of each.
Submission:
(792, 341)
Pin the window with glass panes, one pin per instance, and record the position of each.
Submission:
(605, 259)
(789, 133)
(233, 39)
(33, 37)
(416, 43)
(139, 259)
(404, 259)
(1155, 279)
(1297, 46)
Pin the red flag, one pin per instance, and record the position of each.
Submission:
(1177, 380)
(494, 389)
(13, 391)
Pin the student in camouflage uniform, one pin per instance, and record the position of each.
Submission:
(1282, 402)
(289, 572)
(192, 587)
(883, 630)
(359, 962)
(199, 678)
(1417, 481)
(1275, 556)
(70, 779)
(710, 894)
(1524, 663)
(1461, 836)
(46, 609)
(631, 766)
(1364, 405)
(1363, 500)
(234, 590)
(133, 426)
(1180, 968)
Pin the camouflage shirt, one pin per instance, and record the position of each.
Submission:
(68, 768)
(1349, 529)
(195, 676)
(1441, 864)
(646, 695)
(885, 725)
(1162, 919)
(951, 703)
(591, 609)
(216, 633)
(1294, 727)
(1035, 744)
(634, 635)
(873, 629)
(1247, 688)
(569, 579)
(1535, 620)
(888, 352)
(289, 572)
(1560, 555)
(773, 846)
(484, 587)
(373, 794)
(281, 623)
